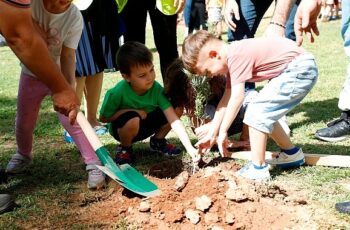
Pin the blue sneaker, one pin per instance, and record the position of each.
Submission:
(68, 137)
(253, 172)
(163, 146)
(100, 130)
(286, 161)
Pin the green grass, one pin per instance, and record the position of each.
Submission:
(58, 171)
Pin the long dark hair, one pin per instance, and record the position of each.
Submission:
(178, 88)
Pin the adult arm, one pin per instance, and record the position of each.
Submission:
(305, 21)
(17, 27)
(279, 18)
(68, 65)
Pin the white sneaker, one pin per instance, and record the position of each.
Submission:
(257, 174)
(18, 164)
(96, 178)
(286, 161)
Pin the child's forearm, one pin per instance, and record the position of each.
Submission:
(180, 131)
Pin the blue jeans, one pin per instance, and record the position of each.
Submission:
(344, 102)
(251, 12)
(282, 93)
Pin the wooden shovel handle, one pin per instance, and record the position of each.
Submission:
(89, 131)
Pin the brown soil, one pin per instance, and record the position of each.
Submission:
(234, 203)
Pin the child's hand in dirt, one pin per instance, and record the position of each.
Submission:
(196, 155)
(222, 142)
(202, 130)
(244, 145)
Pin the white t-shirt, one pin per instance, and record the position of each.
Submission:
(64, 29)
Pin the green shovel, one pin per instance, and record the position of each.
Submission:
(124, 174)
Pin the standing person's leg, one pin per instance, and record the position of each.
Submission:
(187, 15)
(31, 92)
(344, 103)
(96, 178)
(339, 129)
(251, 12)
(289, 33)
(93, 86)
(165, 37)
(134, 16)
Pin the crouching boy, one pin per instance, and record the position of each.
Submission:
(136, 108)
(291, 72)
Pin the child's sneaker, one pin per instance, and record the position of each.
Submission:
(253, 172)
(18, 164)
(100, 130)
(124, 155)
(163, 146)
(286, 161)
(68, 137)
(96, 178)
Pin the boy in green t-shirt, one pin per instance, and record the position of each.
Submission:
(137, 108)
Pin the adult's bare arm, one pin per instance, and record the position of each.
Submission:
(17, 27)
(279, 18)
(305, 21)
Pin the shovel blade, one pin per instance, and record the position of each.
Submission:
(131, 179)
(126, 175)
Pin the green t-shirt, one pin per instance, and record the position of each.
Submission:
(121, 96)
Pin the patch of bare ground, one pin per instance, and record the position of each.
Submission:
(212, 198)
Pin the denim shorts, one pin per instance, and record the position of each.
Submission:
(282, 93)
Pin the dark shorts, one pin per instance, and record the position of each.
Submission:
(147, 127)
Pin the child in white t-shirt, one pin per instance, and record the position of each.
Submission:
(60, 24)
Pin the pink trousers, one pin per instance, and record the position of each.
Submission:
(31, 93)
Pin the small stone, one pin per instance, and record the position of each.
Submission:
(193, 216)
(181, 181)
(236, 195)
(229, 218)
(203, 203)
(144, 206)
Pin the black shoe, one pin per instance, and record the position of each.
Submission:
(337, 130)
(6, 203)
(343, 207)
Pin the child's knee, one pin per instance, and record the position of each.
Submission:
(132, 125)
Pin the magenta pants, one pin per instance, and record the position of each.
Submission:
(31, 92)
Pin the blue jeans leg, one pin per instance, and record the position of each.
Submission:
(344, 102)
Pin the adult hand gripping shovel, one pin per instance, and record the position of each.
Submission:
(124, 174)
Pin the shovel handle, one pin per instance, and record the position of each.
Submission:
(88, 131)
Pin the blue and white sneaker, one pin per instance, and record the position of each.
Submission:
(68, 137)
(253, 172)
(100, 130)
(286, 161)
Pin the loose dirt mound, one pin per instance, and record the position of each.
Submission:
(212, 198)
